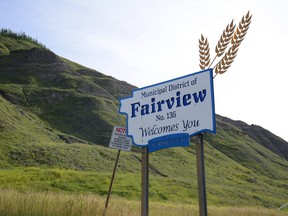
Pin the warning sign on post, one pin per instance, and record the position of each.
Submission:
(120, 140)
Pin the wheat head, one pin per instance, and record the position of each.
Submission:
(204, 52)
(241, 30)
(226, 61)
(223, 65)
(225, 39)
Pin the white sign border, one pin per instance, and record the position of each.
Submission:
(190, 135)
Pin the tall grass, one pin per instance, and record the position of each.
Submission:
(14, 203)
(40, 204)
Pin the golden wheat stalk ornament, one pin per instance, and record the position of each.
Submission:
(204, 51)
(231, 37)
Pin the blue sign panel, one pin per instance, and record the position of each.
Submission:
(175, 140)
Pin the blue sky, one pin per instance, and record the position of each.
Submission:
(146, 42)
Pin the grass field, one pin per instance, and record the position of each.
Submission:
(44, 191)
(14, 203)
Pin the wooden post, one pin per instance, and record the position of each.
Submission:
(111, 183)
(145, 182)
(201, 176)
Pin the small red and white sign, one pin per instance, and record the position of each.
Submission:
(119, 139)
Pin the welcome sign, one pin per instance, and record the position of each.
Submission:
(183, 105)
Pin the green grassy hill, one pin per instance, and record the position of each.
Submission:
(71, 98)
(56, 118)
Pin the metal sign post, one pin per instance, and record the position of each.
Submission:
(201, 176)
(145, 182)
